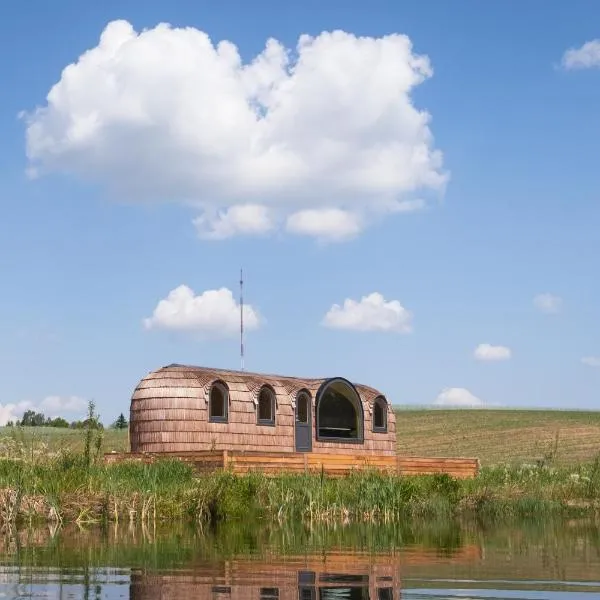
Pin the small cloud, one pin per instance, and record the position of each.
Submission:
(458, 397)
(591, 361)
(371, 313)
(214, 313)
(548, 303)
(487, 352)
(243, 219)
(408, 206)
(63, 404)
(584, 57)
(327, 224)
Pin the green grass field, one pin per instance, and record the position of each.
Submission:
(500, 436)
(495, 436)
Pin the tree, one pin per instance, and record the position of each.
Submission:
(57, 422)
(32, 419)
(121, 422)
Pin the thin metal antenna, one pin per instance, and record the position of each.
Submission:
(242, 318)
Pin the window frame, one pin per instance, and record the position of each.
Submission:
(266, 422)
(222, 386)
(381, 402)
(360, 414)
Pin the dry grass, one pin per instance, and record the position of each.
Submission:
(495, 436)
(55, 439)
(501, 436)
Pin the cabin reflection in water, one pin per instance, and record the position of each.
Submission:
(300, 579)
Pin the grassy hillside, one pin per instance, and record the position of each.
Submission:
(495, 436)
(498, 436)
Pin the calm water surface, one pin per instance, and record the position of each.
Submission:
(558, 561)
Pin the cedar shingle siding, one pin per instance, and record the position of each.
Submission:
(170, 413)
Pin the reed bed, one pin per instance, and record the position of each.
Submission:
(67, 489)
(65, 486)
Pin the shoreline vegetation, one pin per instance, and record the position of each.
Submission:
(68, 483)
(75, 488)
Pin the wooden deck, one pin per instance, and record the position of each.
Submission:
(295, 462)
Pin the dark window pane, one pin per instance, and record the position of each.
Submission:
(337, 408)
(218, 402)
(265, 405)
(378, 416)
(302, 409)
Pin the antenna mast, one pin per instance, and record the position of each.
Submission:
(242, 318)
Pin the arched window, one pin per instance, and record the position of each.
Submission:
(380, 410)
(265, 411)
(218, 403)
(339, 412)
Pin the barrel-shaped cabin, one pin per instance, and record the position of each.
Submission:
(181, 408)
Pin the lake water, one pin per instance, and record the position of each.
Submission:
(558, 561)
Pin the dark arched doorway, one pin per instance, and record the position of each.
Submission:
(339, 412)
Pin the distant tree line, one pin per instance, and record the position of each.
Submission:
(31, 418)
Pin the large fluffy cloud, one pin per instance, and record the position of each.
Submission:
(167, 114)
(371, 313)
(214, 313)
(487, 352)
(584, 57)
(459, 397)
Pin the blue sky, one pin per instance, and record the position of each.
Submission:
(143, 146)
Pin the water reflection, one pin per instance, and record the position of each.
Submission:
(342, 577)
(558, 561)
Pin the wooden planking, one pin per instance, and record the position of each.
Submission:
(292, 462)
(461, 468)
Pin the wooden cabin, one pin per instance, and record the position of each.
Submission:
(182, 408)
(218, 419)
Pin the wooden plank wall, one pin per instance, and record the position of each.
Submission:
(332, 464)
(461, 468)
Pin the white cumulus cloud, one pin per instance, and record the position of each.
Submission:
(487, 352)
(371, 313)
(548, 303)
(242, 219)
(327, 224)
(457, 396)
(584, 57)
(591, 361)
(213, 313)
(63, 404)
(167, 114)
(50, 406)
(13, 411)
